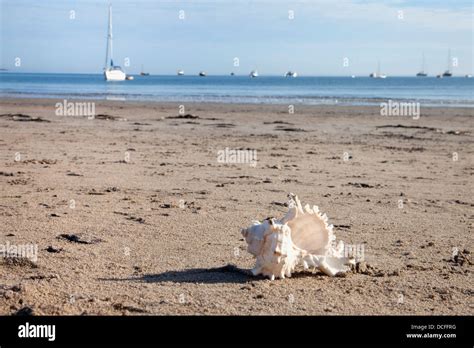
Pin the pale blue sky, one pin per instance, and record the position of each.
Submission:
(258, 32)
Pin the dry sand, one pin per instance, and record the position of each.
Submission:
(142, 252)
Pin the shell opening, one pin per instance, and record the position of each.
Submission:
(309, 232)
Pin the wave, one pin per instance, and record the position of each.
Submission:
(232, 99)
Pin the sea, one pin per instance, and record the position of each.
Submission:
(303, 90)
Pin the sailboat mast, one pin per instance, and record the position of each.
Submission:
(111, 36)
(109, 51)
(449, 59)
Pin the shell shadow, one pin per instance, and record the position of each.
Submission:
(217, 275)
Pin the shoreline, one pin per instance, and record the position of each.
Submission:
(365, 111)
(376, 103)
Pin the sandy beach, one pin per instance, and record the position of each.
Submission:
(133, 214)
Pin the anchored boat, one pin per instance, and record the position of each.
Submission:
(112, 72)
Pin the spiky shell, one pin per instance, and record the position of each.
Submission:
(302, 237)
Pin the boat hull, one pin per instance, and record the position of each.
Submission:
(376, 76)
(114, 75)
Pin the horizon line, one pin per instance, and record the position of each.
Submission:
(221, 75)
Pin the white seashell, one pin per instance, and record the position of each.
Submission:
(301, 237)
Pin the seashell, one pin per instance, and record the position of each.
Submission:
(302, 237)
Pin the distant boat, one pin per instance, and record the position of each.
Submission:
(377, 74)
(291, 74)
(468, 76)
(439, 76)
(112, 72)
(254, 73)
(422, 73)
(232, 74)
(142, 73)
(181, 72)
(202, 73)
(353, 76)
(129, 77)
(448, 72)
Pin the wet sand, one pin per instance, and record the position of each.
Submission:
(133, 214)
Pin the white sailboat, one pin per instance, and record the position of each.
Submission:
(112, 72)
(422, 72)
(254, 73)
(448, 72)
(378, 75)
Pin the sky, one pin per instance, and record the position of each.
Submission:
(312, 37)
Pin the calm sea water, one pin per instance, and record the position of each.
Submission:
(454, 91)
